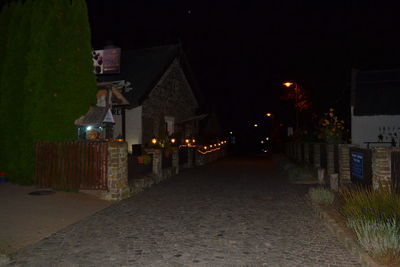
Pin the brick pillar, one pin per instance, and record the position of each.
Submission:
(117, 166)
(306, 153)
(381, 168)
(344, 164)
(317, 154)
(175, 159)
(330, 166)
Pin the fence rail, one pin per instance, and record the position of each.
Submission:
(71, 165)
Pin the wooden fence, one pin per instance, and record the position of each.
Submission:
(71, 165)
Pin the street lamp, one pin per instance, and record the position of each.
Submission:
(296, 99)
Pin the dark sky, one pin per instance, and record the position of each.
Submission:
(242, 51)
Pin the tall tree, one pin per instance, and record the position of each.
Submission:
(46, 78)
(12, 85)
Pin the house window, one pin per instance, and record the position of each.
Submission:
(169, 124)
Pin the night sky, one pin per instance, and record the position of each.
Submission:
(242, 51)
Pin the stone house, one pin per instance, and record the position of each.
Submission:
(158, 85)
(375, 112)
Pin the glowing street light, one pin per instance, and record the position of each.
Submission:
(296, 100)
(287, 84)
(255, 125)
(268, 114)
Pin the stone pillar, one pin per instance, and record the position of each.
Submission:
(157, 162)
(117, 168)
(175, 159)
(200, 159)
(306, 153)
(344, 165)
(381, 168)
(297, 151)
(330, 158)
(190, 151)
(317, 155)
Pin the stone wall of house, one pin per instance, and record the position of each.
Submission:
(172, 97)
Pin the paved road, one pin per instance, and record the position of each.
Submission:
(236, 212)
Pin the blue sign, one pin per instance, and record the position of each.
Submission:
(357, 164)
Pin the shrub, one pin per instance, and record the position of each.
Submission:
(380, 239)
(320, 195)
(380, 205)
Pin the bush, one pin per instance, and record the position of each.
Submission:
(380, 205)
(380, 239)
(320, 195)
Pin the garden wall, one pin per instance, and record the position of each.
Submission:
(378, 167)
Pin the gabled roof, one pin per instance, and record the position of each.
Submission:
(95, 116)
(143, 68)
(376, 92)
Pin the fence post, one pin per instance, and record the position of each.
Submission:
(330, 159)
(381, 168)
(306, 153)
(344, 165)
(175, 159)
(317, 155)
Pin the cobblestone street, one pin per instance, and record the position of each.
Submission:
(235, 212)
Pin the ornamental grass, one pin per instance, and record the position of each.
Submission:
(320, 195)
(381, 205)
(378, 238)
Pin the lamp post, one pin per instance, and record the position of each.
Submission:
(296, 99)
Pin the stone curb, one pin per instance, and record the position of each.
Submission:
(349, 243)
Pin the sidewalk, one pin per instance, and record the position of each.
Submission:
(26, 219)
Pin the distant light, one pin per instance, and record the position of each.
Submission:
(89, 128)
(267, 138)
(154, 141)
(268, 114)
(256, 125)
(288, 84)
(230, 132)
(187, 141)
(262, 141)
(173, 140)
(205, 148)
(193, 141)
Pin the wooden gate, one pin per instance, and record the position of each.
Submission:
(71, 165)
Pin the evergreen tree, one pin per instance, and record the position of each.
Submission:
(13, 95)
(6, 15)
